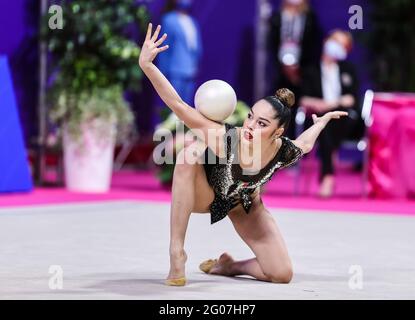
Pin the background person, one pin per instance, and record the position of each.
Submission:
(333, 85)
(180, 64)
(294, 41)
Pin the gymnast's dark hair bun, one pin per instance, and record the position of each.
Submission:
(286, 96)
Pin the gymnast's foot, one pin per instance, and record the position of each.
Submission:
(223, 266)
(176, 275)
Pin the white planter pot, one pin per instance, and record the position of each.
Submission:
(88, 159)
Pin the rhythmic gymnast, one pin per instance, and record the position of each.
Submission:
(229, 188)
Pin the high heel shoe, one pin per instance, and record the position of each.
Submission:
(207, 265)
(179, 282)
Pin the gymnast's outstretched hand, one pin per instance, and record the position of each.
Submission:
(324, 119)
(151, 48)
(306, 140)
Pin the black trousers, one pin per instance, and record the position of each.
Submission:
(283, 82)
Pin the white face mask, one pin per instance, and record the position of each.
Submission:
(335, 50)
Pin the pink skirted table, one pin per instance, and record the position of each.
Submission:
(391, 168)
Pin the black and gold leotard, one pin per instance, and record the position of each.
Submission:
(226, 177)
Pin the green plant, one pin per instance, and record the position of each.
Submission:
(94, 60)
(390, 37)
(104, 103)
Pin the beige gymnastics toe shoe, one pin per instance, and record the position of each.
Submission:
(176, 282)
(207, 265)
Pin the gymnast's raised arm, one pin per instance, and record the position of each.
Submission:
(192, 118)
(307, 139)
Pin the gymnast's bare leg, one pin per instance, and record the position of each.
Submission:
(257, 229)
(186, 198)
(260, 232)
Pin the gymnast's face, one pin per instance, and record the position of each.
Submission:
(261, 123)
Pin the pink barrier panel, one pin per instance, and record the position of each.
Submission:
(392, 146)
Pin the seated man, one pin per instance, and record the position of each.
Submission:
(333, 85)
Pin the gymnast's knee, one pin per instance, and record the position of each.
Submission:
(183, 167)
(281, 275)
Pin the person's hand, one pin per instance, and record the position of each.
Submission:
(346, 101)
(324, 119)
(150, 48)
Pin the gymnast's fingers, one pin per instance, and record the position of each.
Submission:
(161, 40)
(156, 33)
(149, 28)
(164, 48)
(341, 114)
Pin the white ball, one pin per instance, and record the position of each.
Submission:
(216, 100)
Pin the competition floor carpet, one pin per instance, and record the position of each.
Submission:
(133, 185)
(119, 250)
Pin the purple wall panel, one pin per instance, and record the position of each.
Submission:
(18, 28)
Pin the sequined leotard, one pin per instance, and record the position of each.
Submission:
(229, 183)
